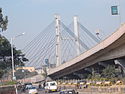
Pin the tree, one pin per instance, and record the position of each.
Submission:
(3, 21)
(5, 50)
(109, 72)
(5, 55)
(1, 73)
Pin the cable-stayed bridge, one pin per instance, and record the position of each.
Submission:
(110, 51)
(59, 43)
(72, 51)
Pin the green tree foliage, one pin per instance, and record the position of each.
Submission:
(3, 21)
(5, 55)
(5, 50)
(109, 72)
(1, 73)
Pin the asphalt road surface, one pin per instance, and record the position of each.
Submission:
(43, 92)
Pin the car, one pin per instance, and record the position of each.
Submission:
(27, 85)
(32, 90)
(51, 86)
(68, 91)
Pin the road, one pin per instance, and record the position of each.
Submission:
(42, 92)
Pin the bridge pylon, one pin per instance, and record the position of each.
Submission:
(76, 32)
(58, 40)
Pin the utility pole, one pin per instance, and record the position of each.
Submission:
(76, 32)
(58, 47)
(12, 55)
(13, 70)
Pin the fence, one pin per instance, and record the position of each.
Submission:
(7, 90)
(103, 90)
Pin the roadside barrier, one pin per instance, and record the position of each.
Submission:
(7, 90)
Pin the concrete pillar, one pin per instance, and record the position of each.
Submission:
(121, 62)
(76, 32)
(58, 49)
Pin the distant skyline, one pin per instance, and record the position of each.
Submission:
(32, 16)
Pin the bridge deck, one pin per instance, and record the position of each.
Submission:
(89, 57)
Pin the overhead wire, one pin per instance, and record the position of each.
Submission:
(38, 45)
(86, 39)
(89, 33)
(66, 37)
(39, 59)
(72, 34)
(64, 51)
(40, 54)
(37, 50)
(69, 50)
(35, 40)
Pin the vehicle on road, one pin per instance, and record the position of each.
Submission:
(68, 91)
(51, 86)
(32, 90)
(27, 85)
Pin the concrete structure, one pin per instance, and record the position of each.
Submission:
(39, 70)
(111, 48)
(33, 79)
(76, 32)
(58, 44)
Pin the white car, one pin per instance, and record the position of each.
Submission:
(51, 86)
(27, 85)
(32, 90)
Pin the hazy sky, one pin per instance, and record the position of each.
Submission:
(32, 16)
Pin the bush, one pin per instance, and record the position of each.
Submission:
(9, 83)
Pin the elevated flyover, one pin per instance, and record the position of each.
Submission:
(112, 47)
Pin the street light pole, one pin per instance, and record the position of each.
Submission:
(97, 34)
(12, 57)
(13, 75)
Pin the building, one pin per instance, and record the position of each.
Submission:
(30, 69)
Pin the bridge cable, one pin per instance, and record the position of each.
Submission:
(72, 34)
(88, 32)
